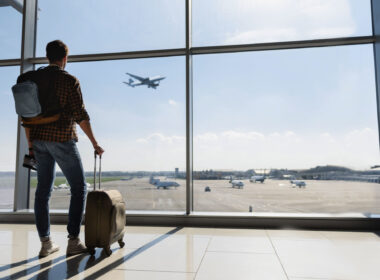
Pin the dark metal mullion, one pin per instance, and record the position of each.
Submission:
(375, 9)
(116, 56)
(205, 50)
(189, 114)
(10, 62)
(22, 176)
(284, 45)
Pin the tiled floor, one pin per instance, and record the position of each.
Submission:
(198, 253)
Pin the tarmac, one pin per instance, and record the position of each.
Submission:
(271, 196)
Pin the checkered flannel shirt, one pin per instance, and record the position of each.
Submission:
(73, 111)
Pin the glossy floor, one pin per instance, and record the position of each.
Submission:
(197, 253)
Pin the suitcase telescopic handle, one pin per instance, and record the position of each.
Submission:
(100, 169)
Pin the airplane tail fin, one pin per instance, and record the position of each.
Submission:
(129, 83)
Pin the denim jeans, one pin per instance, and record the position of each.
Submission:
(67, 156)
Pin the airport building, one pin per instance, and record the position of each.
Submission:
(242, 138)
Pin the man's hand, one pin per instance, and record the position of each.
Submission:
(86, 127)
(99, 150)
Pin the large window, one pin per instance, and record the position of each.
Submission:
(225, 22)
(10, 30)
(304, 120)
(8, 124)
(274, 129)
(112, 26)
(141, 128)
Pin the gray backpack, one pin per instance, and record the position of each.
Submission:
(35, 97)
(26, 99)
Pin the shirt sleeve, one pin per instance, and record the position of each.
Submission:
(79, 112)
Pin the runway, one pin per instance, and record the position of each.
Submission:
(271, 196)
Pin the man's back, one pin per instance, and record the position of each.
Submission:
(52, 81)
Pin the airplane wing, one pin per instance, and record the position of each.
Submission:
(136, 77)
(133, 84)
(155, 79)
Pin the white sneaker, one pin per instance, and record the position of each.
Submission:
(75, 247)
(47, 248)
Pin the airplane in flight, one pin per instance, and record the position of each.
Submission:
(150, 82)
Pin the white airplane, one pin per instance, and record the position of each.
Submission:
(166, 184)
(298, 183)
(257, 178)
(150, 82)
(238, 184)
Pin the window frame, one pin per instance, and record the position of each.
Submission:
(21, 212)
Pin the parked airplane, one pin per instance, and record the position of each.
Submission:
(153, 181)
(150, 82)
(238, 184)
(166, 184)
(257, 178)
(298, 183)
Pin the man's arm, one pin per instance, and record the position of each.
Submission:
(86, 127)
(30, 144)
(80, 115)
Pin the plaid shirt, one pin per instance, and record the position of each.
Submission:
(73, 111)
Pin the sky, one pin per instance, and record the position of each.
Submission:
(274, 109)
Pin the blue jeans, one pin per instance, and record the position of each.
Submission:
(67, 156)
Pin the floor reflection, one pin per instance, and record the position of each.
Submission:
(63, 267)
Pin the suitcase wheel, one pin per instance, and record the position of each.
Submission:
(121, 243)
(91, 250)
(108, 251)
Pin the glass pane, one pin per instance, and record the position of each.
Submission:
(142, 130)
(304, 120)
(8, 139)
(112, 26)
(225, 22)
(10, 30)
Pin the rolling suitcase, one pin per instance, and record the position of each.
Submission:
(104, 218)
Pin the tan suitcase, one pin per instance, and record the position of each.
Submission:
(104, 218)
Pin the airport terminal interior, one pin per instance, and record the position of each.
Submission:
(242, 136)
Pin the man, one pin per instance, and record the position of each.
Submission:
(56, 142)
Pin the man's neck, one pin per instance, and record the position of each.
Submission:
(55, 64)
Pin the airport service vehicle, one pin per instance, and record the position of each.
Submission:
(166, 184)
(298, 183)
(238, 184)
(257, 178)
(150, 82)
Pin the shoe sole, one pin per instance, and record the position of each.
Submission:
(45, 255)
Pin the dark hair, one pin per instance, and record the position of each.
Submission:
(56, 50)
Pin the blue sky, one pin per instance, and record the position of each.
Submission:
(276, 109)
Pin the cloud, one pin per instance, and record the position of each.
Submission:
(231, 149)
(160, 137)
(172, 102)
(261, 35)
(244, 150)
(284, 20)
